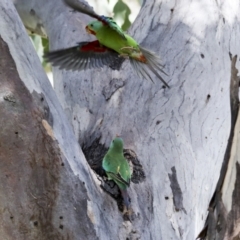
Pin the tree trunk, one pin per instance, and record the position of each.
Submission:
(178, 139)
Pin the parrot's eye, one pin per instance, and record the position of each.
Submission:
(91, 25)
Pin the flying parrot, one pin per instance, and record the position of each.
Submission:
(117, 168)
(112, 46)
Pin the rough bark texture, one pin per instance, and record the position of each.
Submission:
(178, 137)
(223, 217)
(41, 196)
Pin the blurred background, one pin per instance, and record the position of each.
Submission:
(123, 12)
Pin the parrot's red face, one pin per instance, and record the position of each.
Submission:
(90, 30)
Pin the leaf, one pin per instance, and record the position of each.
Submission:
(122, 11)
(45, 43)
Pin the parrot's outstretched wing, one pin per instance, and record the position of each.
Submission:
(85, 55)
(84, 8)
(152, 62)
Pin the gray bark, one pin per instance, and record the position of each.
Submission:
(41, 194)
(179, 136)
(228, 208)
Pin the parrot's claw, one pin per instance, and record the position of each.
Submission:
(124, 55)
(125, 209)
(132, 49)
(128, 214)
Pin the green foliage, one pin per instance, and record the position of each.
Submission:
(45, 44)
(41, 45)
(37, 42)
(122, 11)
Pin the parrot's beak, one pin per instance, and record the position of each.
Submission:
(89, 30)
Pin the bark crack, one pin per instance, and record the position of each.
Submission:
(176, 190)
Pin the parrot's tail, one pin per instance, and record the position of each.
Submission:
(152, 63)
(126, 198)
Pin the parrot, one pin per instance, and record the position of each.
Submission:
(112, 46)
(117, 168)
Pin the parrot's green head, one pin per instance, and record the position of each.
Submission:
(94, 27)
(117, 144)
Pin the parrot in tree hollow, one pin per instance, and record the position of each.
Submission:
(112, 46)
(117, 168)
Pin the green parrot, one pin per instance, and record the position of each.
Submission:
(117, 168)
(112, 46)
